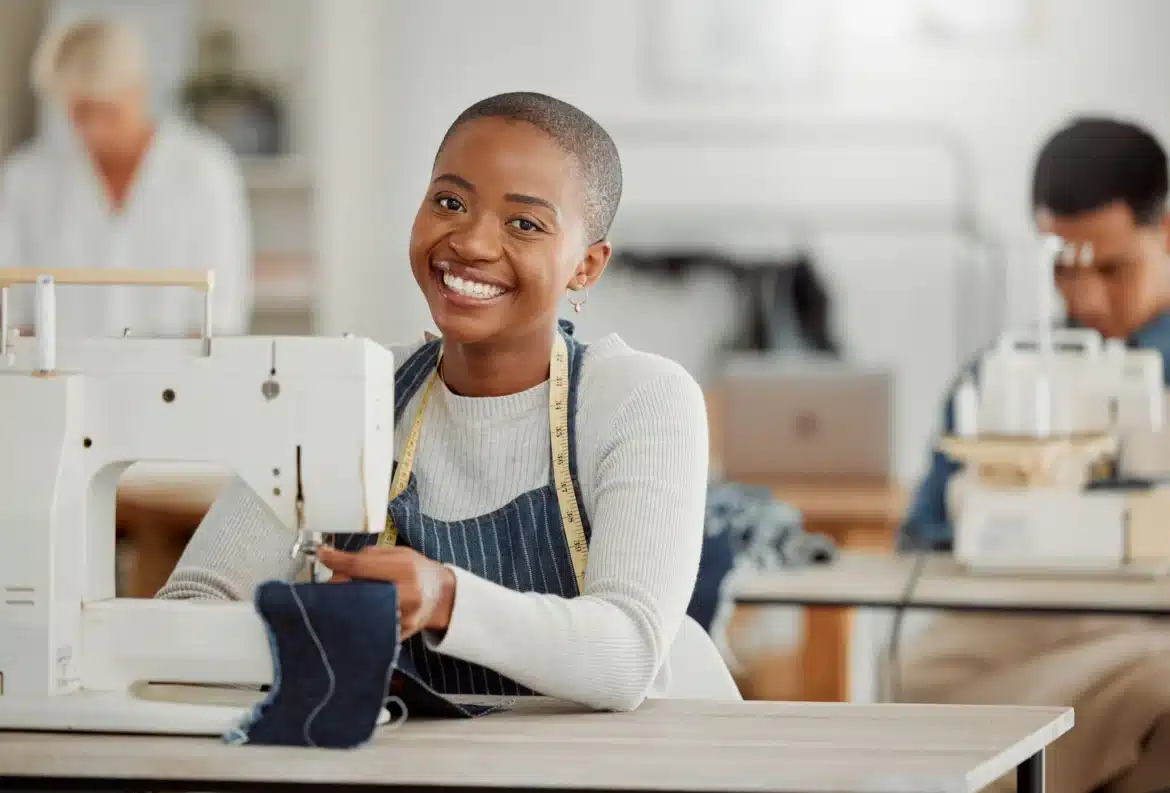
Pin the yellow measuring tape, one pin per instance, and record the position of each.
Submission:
(558, 424)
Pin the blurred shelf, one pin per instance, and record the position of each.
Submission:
(284, 172)
(283, 283)
(284, 296)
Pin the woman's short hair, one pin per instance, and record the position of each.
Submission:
(96, 58)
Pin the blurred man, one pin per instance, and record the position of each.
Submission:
(123, 191)
(1102, 186)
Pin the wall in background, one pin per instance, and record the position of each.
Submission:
(274, 40)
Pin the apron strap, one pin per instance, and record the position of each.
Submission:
(561, 407)
(413, 373)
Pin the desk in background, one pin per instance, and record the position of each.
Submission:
(861, 580)
(878, 581)
(542, 745)
(858, 516)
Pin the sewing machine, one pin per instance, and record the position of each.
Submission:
(306, 422)
(1046, 415)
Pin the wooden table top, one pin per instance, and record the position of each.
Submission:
(673, 745)
(880, 580)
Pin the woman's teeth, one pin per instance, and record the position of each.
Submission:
(467, 288)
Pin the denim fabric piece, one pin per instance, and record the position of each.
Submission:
(748, 525)
(333, 651)
(762, 530)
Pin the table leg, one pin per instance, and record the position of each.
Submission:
(825, 654)
(827, 631)
(1030, 774)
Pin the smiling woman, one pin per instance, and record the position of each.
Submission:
(546, 517)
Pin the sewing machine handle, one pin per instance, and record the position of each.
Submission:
(203, 281)
(199, 280)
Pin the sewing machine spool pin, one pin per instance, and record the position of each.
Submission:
(206, 334)
(46, 323)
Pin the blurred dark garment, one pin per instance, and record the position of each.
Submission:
(747, 526)
(785, 304)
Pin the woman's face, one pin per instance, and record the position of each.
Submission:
(109, 126)
(500, 234)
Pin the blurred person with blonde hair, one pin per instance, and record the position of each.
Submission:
(124, 190)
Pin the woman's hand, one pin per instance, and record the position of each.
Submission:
(426, 589)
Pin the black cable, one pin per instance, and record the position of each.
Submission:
(893, 662)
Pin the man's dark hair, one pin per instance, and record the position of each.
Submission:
(1094, 162)
(575, 132)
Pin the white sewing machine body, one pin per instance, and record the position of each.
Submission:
(306, 422)
(1046, 412)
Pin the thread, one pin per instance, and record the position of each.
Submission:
(396, 723)
(306, 729)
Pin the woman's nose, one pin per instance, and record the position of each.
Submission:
(477, 239)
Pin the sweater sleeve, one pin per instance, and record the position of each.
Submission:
(604, 648)
(239, 545)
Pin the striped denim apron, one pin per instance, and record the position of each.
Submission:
(521, 546)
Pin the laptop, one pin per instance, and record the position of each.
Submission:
(806, 419)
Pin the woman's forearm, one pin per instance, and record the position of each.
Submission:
(603, 652)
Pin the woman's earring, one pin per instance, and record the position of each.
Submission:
(579, 288)
(577, 304)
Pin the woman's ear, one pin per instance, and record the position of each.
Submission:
(592, 265)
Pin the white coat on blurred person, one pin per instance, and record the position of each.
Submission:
(122, 191)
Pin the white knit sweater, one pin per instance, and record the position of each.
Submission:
(642, 464)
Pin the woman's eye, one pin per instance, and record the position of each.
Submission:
(450, 204)
(520, 224)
